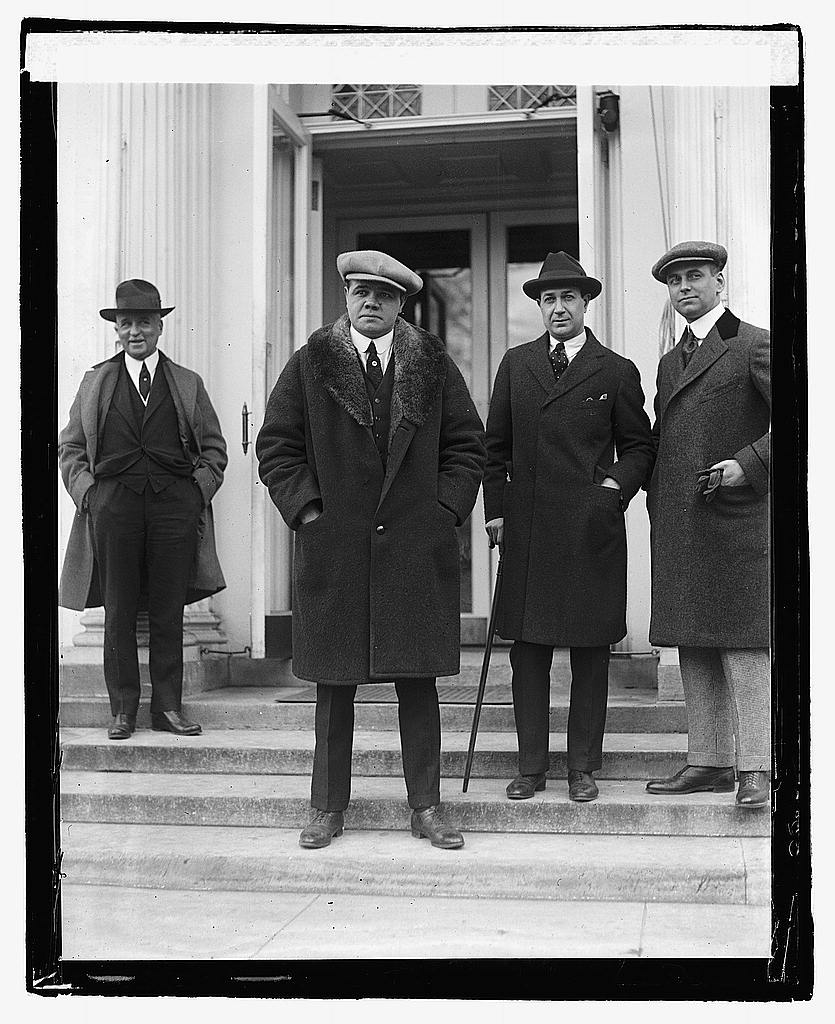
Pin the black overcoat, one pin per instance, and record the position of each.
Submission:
(376, 580)
(710, 572)
(550, 444)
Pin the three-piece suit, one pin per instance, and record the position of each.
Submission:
(142, 478)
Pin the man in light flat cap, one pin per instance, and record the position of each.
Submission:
(142, 456)
(373, 453)
(568, 446)
(708, 505)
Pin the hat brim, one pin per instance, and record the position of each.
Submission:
(384, 280)
(588, 285)
(111, 314)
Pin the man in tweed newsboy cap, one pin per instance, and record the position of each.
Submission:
(373, 451)
(708, 506)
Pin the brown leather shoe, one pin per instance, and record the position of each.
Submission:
(121, 728)
(427, 824)
(581, 786)
(174, 721)
(695, 778)
(753, 789)
(321, 829)
(523, 787)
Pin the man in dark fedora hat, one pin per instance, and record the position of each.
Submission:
(373, 451)
(568, 446)
(142, 456)
(708, 506)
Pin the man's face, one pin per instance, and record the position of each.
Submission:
(138, 332)
(694, 287)
(563, 312)
(373, 306)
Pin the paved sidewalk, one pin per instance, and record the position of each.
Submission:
(109, 922)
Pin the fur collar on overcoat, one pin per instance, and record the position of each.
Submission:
(419, 369)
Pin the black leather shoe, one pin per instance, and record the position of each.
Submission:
(121, 728)
(695, 779)
(753, 789)
(581, 786)
(523, 787)
(174, 721)
(426, 824)
(321, 829)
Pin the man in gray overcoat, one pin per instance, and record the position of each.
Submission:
(142, 456)
(708, 505)
(373, 453)
(568, 445)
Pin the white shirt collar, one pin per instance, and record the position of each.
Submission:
(572, 346)
(381, 344)
(134, 368)
(705, 323)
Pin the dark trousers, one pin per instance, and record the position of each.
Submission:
(587, 711)
(148, 538)
(420, 743)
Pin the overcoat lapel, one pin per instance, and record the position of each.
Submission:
(712, 348)
(539, 364)
(584, 365)
(419, 368)
(183, 388)
(96, 408)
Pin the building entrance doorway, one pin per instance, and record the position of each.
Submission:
(473, 266)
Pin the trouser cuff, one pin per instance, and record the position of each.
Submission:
(706, 759)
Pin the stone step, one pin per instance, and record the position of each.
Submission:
(233, 707)
(86, 678)
(624, 807)
(290, 752)
(657, 869)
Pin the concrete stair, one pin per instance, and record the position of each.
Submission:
(223, 810)
(658, 869)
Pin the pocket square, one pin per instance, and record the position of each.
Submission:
(603, 397)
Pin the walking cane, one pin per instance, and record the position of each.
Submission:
(485, 665)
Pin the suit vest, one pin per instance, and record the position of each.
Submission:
(140, 443)
(381, 407)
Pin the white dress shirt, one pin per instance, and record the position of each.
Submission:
(704, 325)
(572, 346)
(383, 346)
(134, 368)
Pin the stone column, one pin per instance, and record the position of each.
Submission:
(150, 218)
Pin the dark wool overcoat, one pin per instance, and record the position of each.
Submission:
(550, 444)
(710, 571)
(376, 582)
(202, 443)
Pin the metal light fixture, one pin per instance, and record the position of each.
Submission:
(609, 111)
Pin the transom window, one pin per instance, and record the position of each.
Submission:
(374, 101)
(523, 97)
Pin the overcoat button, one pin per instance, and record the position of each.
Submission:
(381, 528)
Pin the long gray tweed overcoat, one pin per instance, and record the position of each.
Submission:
(376, 580)
(710, 571)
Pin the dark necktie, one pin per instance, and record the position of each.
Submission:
(373, 367)
(690, 345)
(144, 382)
(559, 360)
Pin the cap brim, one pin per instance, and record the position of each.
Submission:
(376, 277)
(660, 273)
(111, 314)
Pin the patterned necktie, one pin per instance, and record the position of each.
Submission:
(559, 360)
(144, 382)
(373, 367)
(690, 345)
